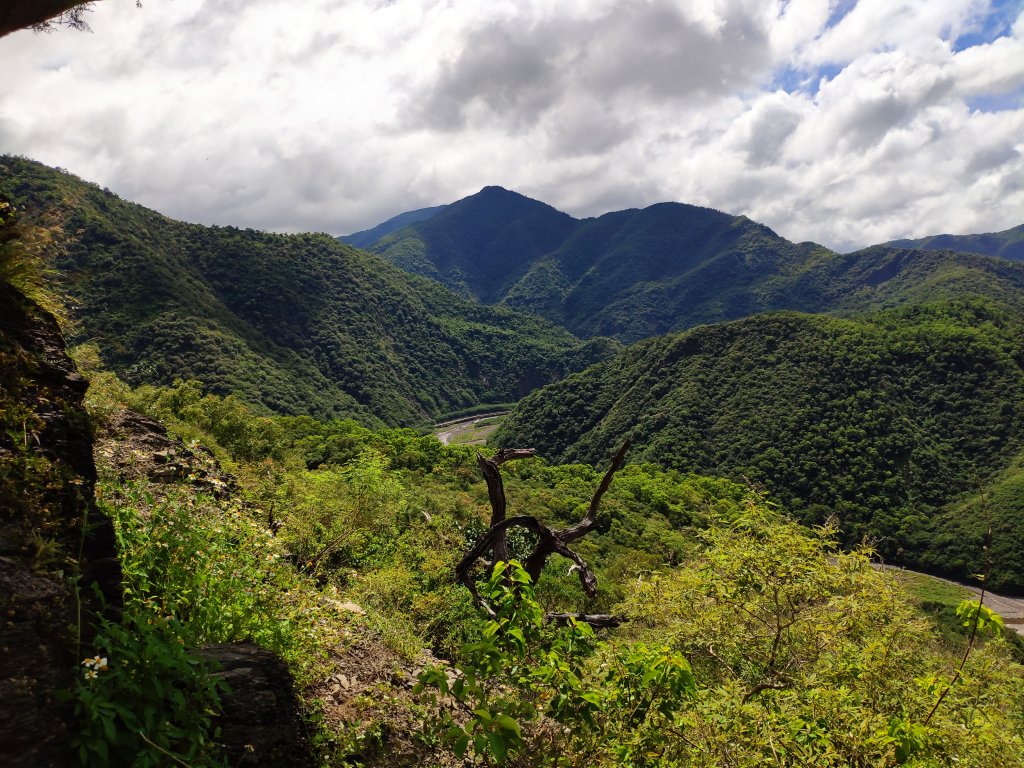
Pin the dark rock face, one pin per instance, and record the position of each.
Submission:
(52, 536)
(260, 724)
(50, 532)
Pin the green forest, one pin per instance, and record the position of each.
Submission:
(885, 422)
(255, 423)
(638, 273)
(300, 324)
(748, 636)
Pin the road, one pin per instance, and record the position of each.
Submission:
(466, 431)
(1010, 608)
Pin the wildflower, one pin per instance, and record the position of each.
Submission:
(91, 674)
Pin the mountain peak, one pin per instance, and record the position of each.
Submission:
(496, 195)
(494, 189)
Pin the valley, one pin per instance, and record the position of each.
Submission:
(292, 442)
(885, 408)
(472, 430)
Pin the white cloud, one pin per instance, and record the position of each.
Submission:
(336, 114)
(907, 25)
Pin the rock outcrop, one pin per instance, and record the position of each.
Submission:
(260, 724)
(56, 549)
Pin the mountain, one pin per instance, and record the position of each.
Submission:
(481, 245)
(1008, 244)
(367, 237)
(882, 420)
(642, 272)
(297, 323)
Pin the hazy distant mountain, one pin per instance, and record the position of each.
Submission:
(642, 272)
(366, 237)
(1008, 244)
(297, 323)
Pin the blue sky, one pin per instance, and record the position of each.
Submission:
(847, 123)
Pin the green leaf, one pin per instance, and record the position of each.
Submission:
(497, 744)
(479, 743)
(508, 724)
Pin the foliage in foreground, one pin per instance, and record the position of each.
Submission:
(196, 571)
(772, 648)
(808, 656)
(751, 642)
(144, 698)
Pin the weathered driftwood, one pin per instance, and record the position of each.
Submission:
(549, 541)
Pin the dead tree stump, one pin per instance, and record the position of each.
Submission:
(549, 540)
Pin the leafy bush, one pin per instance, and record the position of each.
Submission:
(144, 699)
(520, 671)
(219, 575)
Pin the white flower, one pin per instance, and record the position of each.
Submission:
(94, 665)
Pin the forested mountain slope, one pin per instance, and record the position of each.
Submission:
(298, 323)
(722, 591)
(881, 420)
(1008, 244)
(638, 273)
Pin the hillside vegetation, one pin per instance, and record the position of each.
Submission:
(751, 640)
(296, 323)
(638, 273)
(881, 421)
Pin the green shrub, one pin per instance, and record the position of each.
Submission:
(143, 699)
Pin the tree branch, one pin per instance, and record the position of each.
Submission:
(974, 629)
(583, 526)
(496, 492)
(596, 620)
(549, 541)
(20, 14)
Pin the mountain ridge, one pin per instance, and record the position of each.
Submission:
(641, 272)
(1006, 244)
(366, 237)
(297, 323)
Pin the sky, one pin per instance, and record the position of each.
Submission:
(845, 122)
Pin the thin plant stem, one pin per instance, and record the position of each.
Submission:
(974, 628)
